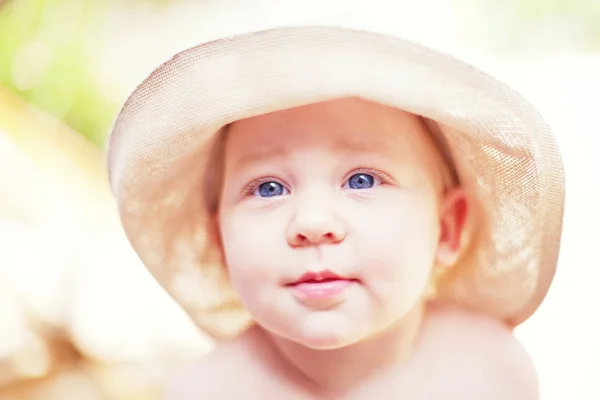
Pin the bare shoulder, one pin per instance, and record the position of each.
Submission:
(201, 379)
(212, 375)
(481, 352)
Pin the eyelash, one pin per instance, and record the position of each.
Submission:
(253, 184)
(367, 169)
(383, 177)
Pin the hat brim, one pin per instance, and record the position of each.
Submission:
(505, 155)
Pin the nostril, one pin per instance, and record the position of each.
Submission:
(302, 239)
(315, 238)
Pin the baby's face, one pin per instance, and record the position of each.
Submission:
(348, 190)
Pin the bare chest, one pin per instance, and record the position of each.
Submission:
(413, 384)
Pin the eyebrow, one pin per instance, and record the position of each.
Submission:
(260, 154)
(344, 146)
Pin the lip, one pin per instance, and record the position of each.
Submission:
(320, 286)
(319, 276)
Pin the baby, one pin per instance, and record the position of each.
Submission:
(334, 218)
(341, 225)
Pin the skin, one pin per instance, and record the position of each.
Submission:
(458, 355)
(389, 233)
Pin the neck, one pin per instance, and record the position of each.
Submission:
(336, 371)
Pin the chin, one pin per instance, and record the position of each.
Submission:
(323, 330)
(326, 334)
(324, 343)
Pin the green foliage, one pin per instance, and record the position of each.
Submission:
(46, 47)
(45, 58)
(576, 21)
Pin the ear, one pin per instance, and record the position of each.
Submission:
(454, 209)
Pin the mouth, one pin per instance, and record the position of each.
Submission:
(319, 277)
(321, 285)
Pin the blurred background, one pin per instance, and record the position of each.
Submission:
(80, 318)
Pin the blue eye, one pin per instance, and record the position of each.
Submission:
(270, 189)
(361, 181)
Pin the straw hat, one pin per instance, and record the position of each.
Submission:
(163, 142)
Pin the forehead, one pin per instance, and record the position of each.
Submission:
(344, 125)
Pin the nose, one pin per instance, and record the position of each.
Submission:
(315, 224)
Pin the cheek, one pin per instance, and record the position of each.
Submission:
(251, 258)
(399, 246)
